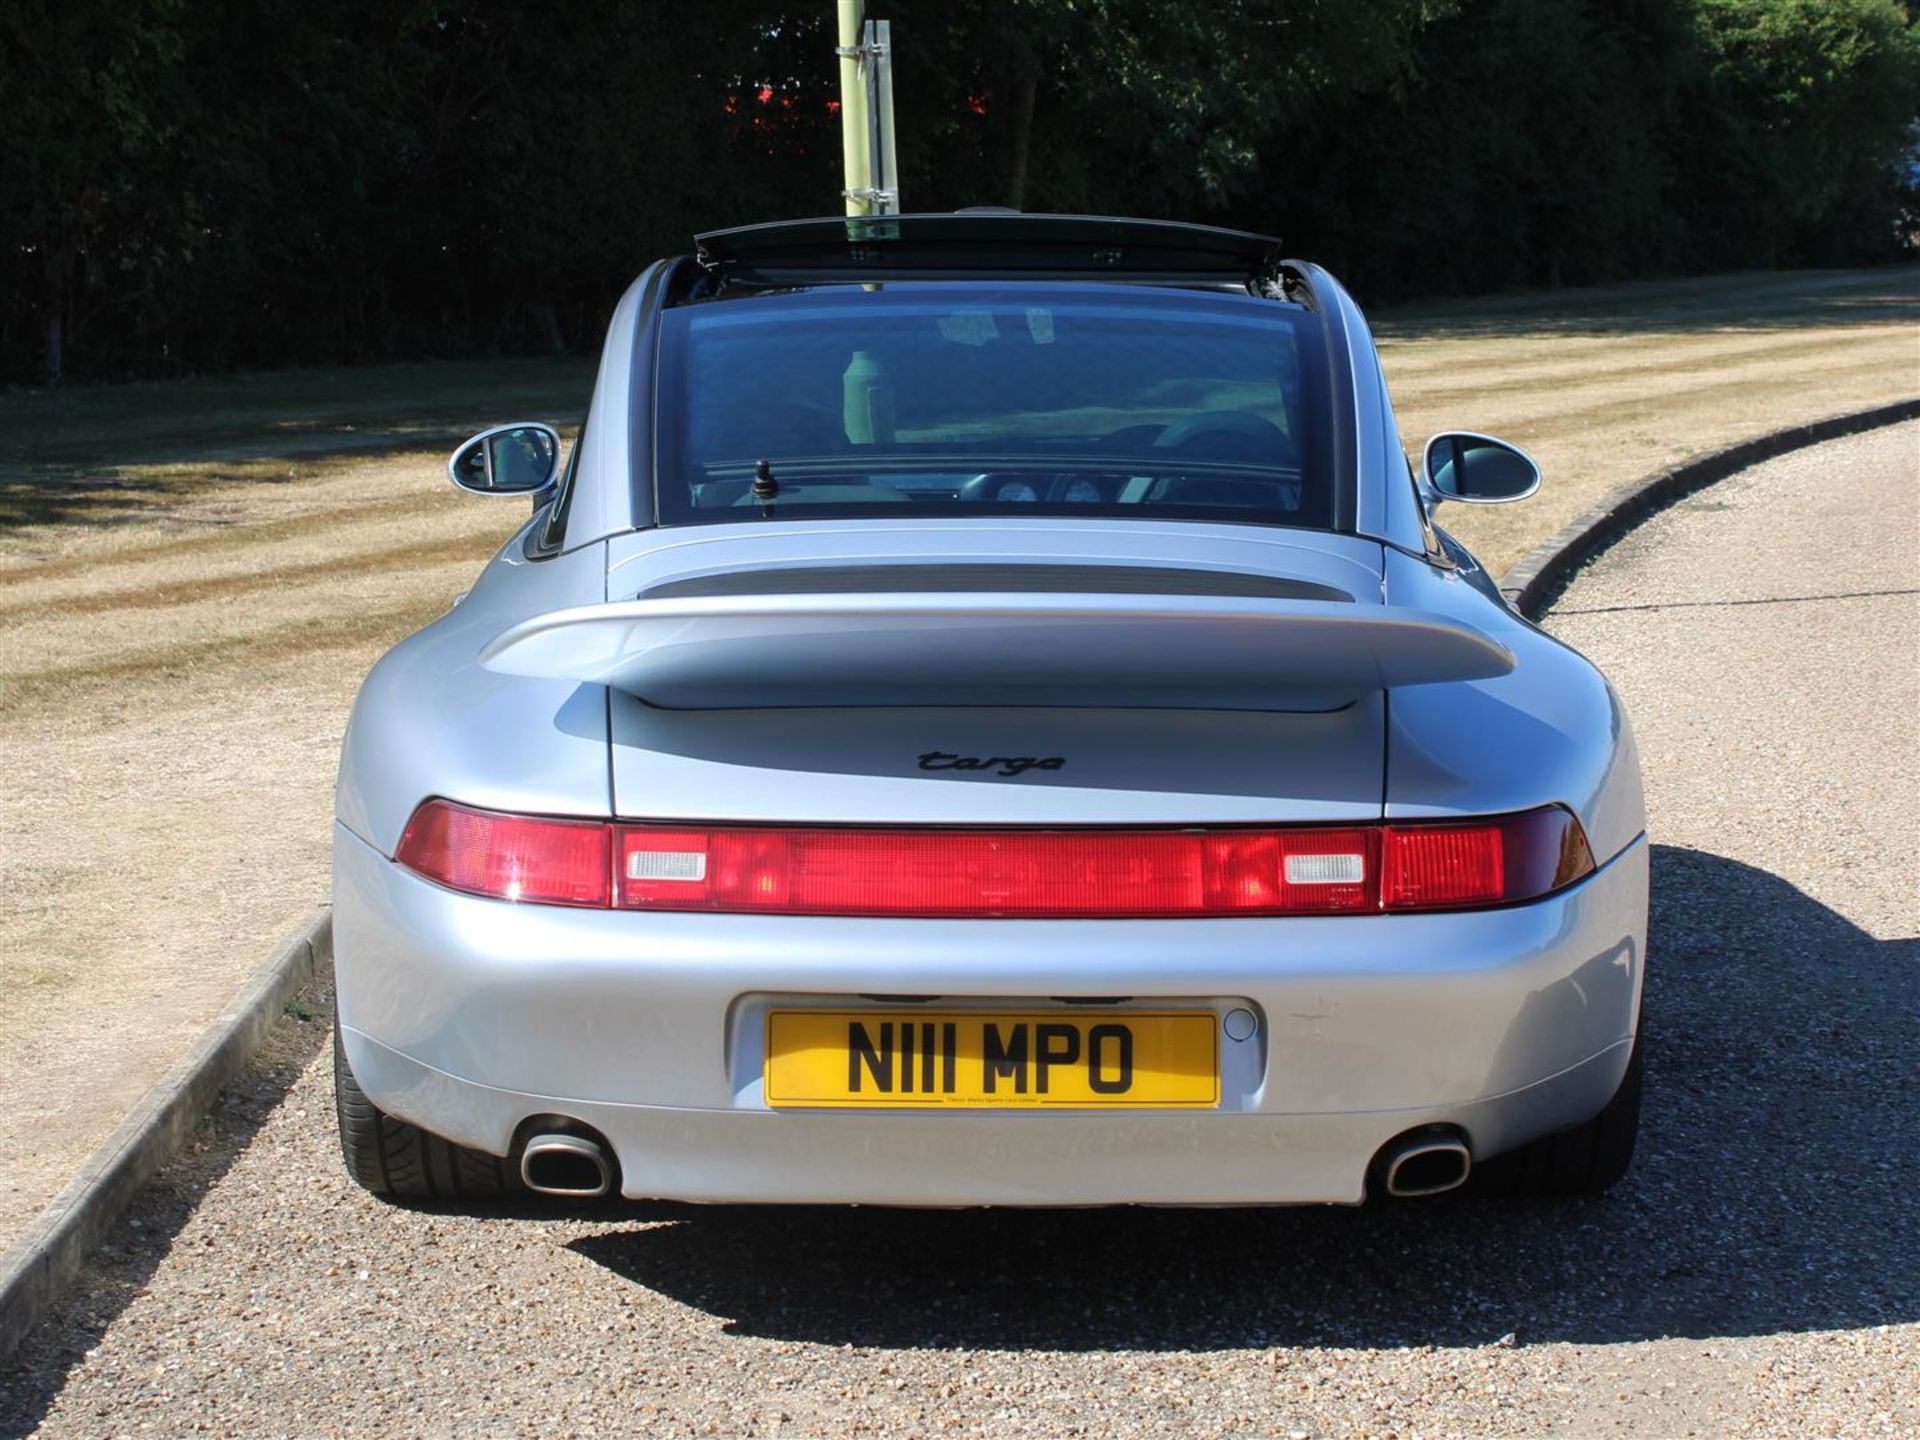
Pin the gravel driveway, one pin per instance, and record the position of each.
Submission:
(1759, 1272)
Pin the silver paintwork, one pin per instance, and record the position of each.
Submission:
(1552, 731)
(472, 1017)
(429, 720)
(1375, 448)
(860, 767)
(1187, 652)
(613, 449)
(641, 560)
(469, 1016)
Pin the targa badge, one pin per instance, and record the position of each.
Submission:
(1004, 765)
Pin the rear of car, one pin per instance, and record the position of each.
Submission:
(996, 766)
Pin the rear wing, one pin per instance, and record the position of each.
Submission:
(970, 244)
(1123, 651)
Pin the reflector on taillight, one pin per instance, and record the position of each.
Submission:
(509, 857)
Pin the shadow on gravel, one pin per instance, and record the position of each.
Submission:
(142, 1239)
(1776, 1189)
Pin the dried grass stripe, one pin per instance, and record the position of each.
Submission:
(35, 688)
(439, 550)
(240, 535)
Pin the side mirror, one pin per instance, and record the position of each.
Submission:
(518, 459)
(1478, 469)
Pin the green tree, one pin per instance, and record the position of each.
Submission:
(259, 182)
(1528, 145)
(88, 128)
(1124, 105)
(1800, 118)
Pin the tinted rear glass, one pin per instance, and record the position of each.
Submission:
(973, 400)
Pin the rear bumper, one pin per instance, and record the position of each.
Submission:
(470, 1016)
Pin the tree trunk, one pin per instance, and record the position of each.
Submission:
(1020, 138)
(547, 325)
(59, 270)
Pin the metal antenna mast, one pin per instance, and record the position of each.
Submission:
(866, 112)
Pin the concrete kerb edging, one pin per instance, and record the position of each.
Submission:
(40, 1264)
(1536, 581)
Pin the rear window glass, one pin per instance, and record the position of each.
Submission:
(970, 400)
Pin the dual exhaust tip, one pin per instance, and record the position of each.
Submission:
(566, 1165)
(572, 1166)
(1424, 1162)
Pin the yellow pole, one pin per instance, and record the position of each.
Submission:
(866, 401)
(853, 106)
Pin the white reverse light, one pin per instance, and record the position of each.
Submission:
(1326, 869)
(667, 865)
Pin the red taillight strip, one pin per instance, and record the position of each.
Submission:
(1452, 865)
(510, 857)
(1122, 874)
(1004, 874)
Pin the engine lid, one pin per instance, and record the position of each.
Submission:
(997, 766)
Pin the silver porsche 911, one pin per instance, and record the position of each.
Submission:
(985, 716)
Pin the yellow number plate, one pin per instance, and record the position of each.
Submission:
(993, 1060)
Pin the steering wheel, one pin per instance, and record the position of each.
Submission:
(988, 487)
(1227, 435)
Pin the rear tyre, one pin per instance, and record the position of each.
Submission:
(1582, 1161)
(402, 1161)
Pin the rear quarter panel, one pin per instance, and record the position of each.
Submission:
(429, 721)
(1551, 732)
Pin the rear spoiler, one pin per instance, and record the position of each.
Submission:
(1123, 651)
(974, 244)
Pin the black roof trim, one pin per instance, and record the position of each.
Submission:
(975, 244)
(993, 577)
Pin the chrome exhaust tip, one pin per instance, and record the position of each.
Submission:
(569, 1166)
(1424, 1164)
